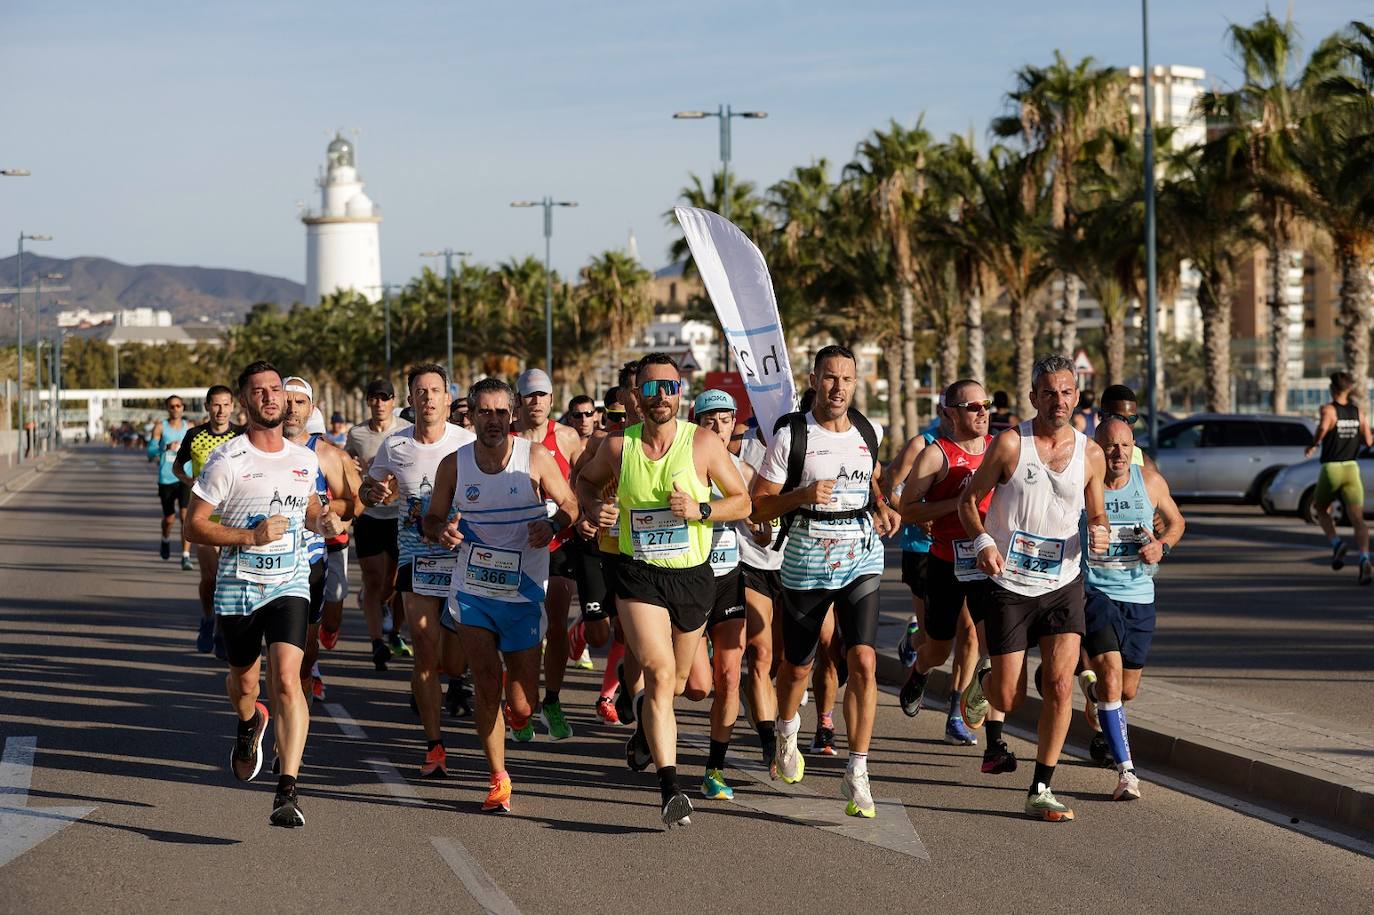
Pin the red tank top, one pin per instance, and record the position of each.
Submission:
(961, 465)
(551, 442)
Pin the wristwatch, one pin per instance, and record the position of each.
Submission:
(705, 509)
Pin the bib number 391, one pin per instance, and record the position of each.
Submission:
(269, 564)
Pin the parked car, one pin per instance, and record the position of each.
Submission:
(1230, 456)
(1292, 489)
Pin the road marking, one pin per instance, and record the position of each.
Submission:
(476, 881)
(345, 721)
(11, 489)
(395, 784)
(20, 827)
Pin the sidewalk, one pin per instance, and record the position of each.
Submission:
(14, 477)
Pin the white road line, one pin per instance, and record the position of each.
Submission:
(345, 721)
(478, 882)
(21, 828)
(16, 769)
(395, 785)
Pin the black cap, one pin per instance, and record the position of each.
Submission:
(380, 386)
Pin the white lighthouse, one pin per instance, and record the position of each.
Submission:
(341, 237)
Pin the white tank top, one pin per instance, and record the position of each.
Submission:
(495, 560)
(1034, 520)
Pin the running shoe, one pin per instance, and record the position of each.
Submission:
(789, 763)
(713, 787)
(637, 755)
(1044, 806)
(906, 652)
(186, 563)
(770, 754)
(912, 691)
(522, 734)
(677, 811)
(957, 733)
(605, 710)
(498, 797)
(435, 764)
(245, 761)
(221, 650)
(577, 641)
(1337, 555)
(458, 699)
(973, 705)
(555, 722)
(823, 744)
(317, 688)
(1127, 786)
(205, 638)
(399, 647)
(165, 550)
(328, 638)
(380, 655)
(584, 660)
(998, 759)
(388, 622)
(856, 792)
(1087, 682)
(1366, 572)
(806, 698)
(1100, 751)
(624, 701)
(286, 810)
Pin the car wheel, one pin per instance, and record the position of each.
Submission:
(1256, 493)
(1308, 512)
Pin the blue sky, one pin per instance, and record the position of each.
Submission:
(184, 133)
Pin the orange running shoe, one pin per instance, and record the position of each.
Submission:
(577, 640)
(605, 710)
(328, 638)
(435, 764)
(498, 798)
(317, 688)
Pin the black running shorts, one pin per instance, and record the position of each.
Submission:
(593, 593)
(915, 568)
(856, 612)
(373, 536)
(281, 620)
(946, 597)
(767, 582)
(729, 603)
(1014, 622)
(173, 496)
(687, 594)
(317, 576)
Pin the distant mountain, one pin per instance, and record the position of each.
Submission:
(189, 293)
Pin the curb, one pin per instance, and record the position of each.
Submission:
(1287, 787)
(19, 477)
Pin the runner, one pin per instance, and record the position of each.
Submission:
(664, 470)
(931, 496)
(534, 424)
(195, 450)
(1120, 596)
(1341, 429)
(581, 416)
(915, 547)
(1119, 402)
(374, 531)
(171, 491)
(404, 468)
(822, 473)
(1001, 418)
(338, 430)
(263, 490)
(1042, 476)
(489, 505)
(460, 413)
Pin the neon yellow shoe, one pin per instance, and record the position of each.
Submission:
(856, 791)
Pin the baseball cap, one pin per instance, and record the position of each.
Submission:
(315, 424)
(713, 401)
(337, 417)
(299, 385)
(380, 386)
(534, 381)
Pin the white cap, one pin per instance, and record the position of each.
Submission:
(315, 424)
(300, 386)
(534, 381)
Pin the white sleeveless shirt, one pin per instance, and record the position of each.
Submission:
(1034, 520)
(495, 561)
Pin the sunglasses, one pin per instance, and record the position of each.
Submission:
(663, 387)
(380, 397)
(973, 406)
(1128, 420)
(579, 414)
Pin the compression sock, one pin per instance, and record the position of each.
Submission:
(789, 727)
(1042, 777)
(994, 729)
(715, 759)
(858, 764)
(1112, 717)
(550, 696)
(667, 782)
(768, 731)
(954, 696)
(609, 680)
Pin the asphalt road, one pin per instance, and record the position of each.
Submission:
(131, 733)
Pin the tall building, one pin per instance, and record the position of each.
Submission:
(342, 246)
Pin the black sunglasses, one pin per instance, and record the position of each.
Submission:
(973, 406)
(578, 414)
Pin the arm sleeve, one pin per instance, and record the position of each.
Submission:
(774, 466)
(215, 480)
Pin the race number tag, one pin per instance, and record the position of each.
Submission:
(270, 564)
(492, 572)
(966, 562)
(724, 549)
(1123, 548)
(1034, 560)
(657, 533)
(432, 576)
(837, 529)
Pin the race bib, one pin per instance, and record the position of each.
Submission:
(270, 564)
(1123, 548)
(492, 572)
(724, 549)
(966, 562)
(432, 576)
(657, 533)
(836, 529)
(1034, 560)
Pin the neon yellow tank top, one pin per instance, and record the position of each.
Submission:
(649, 531)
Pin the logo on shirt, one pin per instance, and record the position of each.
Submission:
(472, 493)
(302, 474)
(1031, 475)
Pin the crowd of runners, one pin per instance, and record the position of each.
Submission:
(710, 562)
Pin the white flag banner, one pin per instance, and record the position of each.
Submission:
(736, 278)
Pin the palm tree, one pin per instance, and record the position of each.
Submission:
(798, 249)
(1058, 109)
(746, 211)
(611, 305)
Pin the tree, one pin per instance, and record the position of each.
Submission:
(746, 211)
(610, 307)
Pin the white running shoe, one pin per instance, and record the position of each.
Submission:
(788, 760)
(1127, 786)
(855, 790)
(1087, 681)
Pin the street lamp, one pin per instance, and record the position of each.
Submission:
(548, 203)
(726, 114)
(19, 328)
(448, 254)
(15, 172)
(1151, 295)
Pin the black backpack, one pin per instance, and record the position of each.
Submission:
(796, 462)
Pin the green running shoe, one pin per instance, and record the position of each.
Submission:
(399, 646)
(526, 733)
(713, 787)
(973, 705)
(555, 722)
(1044, 806)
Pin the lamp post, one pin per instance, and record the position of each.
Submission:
(726, 114)
(386, 310)
(15, 172)
(1151, 294)
(19, 327)
(448, 254)
(548, 203)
